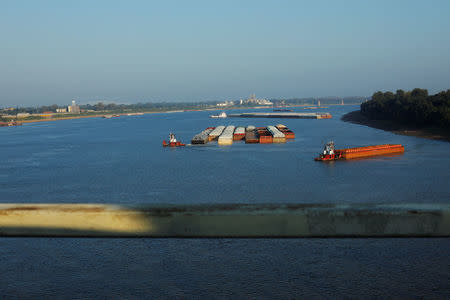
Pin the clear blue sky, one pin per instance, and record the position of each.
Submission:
(131, 51)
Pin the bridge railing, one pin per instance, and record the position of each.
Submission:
(222, 220)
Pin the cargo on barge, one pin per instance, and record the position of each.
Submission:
(277, 135)
(226, 138)
(329, 153)
(239, 133)
(289, 134)
(251, 135)
(264, 135)
(202, 137)
(214, 135)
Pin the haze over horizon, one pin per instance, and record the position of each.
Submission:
(145, 51)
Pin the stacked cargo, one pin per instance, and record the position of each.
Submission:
(202, 137)
(239, 133)
(226, 138)
(289, 134)
(213, 135)
(251, 135)
(264, 135)
(277, 135)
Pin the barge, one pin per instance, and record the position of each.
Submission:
(277, 135)
(202, 137)
(291, 115)
(226, 138)
(251, 135)
(265, 137)
(239, 133)
(214, 135)
(289, 134)
(330, 154)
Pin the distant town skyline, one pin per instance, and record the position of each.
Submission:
(150, 51)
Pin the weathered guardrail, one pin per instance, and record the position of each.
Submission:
(258, 220)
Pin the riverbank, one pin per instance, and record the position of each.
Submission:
(108, 113)
(428, 132)
(76, 117)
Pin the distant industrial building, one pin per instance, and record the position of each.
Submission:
(253, 100)
(61, 110)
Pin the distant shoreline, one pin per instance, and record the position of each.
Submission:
(156, 112)
(73, 117)
(429, 132)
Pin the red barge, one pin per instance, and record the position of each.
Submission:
(289, 134)
(265, 137)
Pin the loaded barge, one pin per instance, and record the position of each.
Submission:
(289, 134)
(226, 138)
(202, 137)
(278, 136)
(251, 135)
(330, 154)
(292, 115)
(264, 135)
(214, 135)
(239, 133)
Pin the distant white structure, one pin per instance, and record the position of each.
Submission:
(253, 100)
(75, 109)
(318, 102)
(61, 110)
(226, 103)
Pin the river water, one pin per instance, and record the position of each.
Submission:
(121, 160)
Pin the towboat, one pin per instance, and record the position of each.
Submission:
(222, 115)
(172, 142)
(329, 153)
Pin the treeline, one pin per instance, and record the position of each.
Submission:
(415, 108)
(160, 106)
(112, 107)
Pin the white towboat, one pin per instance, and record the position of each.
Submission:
(222, 115)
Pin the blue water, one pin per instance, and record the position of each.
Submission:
(121, 160)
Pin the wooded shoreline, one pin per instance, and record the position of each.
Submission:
(426, 132)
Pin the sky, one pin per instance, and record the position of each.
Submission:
(150, 51)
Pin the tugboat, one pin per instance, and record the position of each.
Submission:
(172, 142)
(329, 153)
(222, 115)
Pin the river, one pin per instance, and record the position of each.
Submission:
(121, 160)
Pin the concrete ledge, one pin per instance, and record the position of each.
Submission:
(259, 220)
